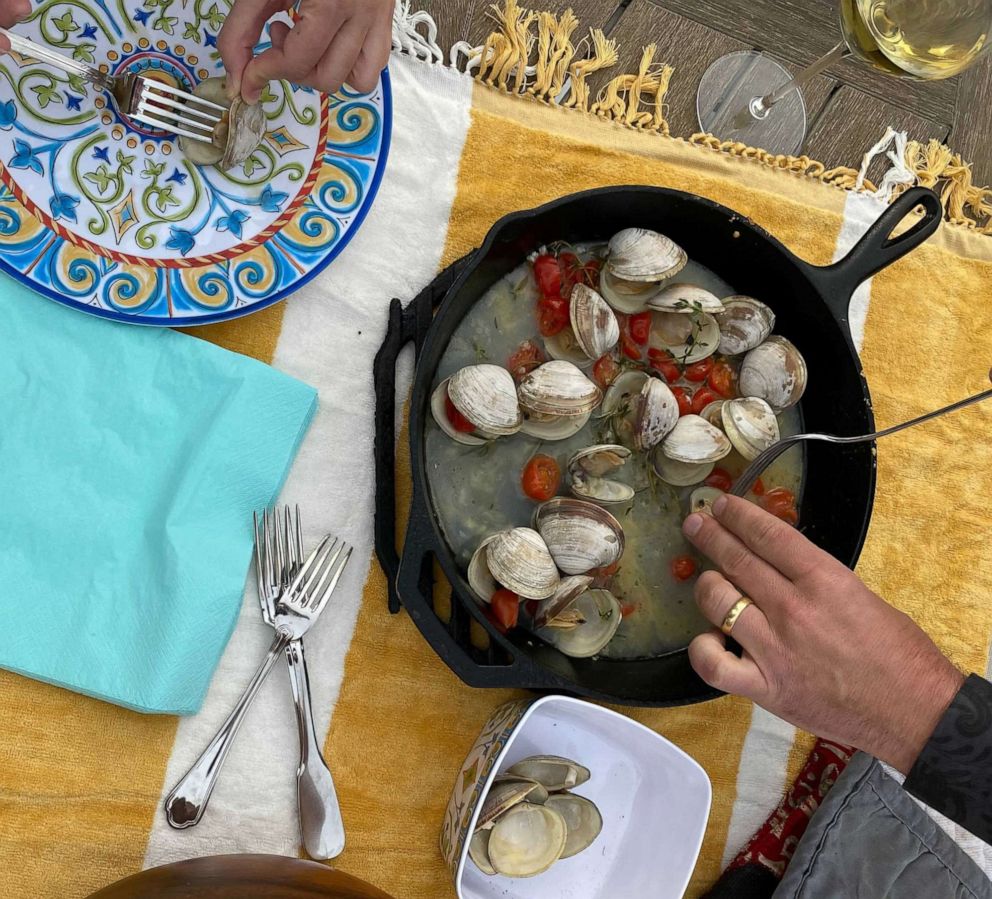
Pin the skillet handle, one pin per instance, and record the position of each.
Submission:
(877, 249)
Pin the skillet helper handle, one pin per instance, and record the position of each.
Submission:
(877, 249)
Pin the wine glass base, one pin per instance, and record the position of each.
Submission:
(727, 91)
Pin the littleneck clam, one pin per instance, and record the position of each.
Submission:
(702, 498)
(582, 819)
(600, 614)
(751, 425)
(580, 535)
(558, 388)
(519, 560)
(713, 413)
(689, 338)
(593, 322)
(479, 577)
(628, 297)
(621, 394)
(679, 474)
(637, 254)
(685, 298)
(695, 440)
(527, 840)
(529, 819)
(486, 396)
(552, 428)
(744, 324)
(587, 468)
(657, 411)
(234, 138)
(775, 371)
(556, 611)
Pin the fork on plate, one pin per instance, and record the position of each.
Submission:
(298, 606)
(278, 558)
(142, 99)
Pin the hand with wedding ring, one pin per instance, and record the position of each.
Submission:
(820, 649)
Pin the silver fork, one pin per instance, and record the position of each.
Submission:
(143, 99)
(297, 608)
(320, 815)
(751, 474)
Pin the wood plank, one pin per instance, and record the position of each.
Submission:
(452, 18)
(800, 31)
(690, 47)
(852, 122)
(971, 130)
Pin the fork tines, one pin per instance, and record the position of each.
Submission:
(171, 109)
(319, 575)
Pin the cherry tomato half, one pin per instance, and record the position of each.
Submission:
(605, 371)
(627, 609)
(640, 327)
(759, 488)
(664, 363)
(541, 477)
(722, 380)
(719, 478)
(683, 567)
(702, 398)
(458, 421)
(571, 272)
(506, 607)
(698, 370)
(781, 503)
(547, 274)
(552, 315)
(684, 400)
(525, 359)
(629, 347)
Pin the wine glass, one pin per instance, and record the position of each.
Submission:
(749, 97)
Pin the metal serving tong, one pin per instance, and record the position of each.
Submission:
(142, 99)
(751, 474)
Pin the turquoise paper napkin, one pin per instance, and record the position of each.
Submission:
(130, 462)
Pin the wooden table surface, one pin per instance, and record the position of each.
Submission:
(849, 106)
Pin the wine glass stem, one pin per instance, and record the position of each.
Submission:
(761, 105)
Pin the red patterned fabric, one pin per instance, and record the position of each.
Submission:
(775, 841)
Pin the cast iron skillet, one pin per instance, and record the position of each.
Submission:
(811, 306)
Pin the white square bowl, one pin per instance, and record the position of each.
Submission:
(654, 799)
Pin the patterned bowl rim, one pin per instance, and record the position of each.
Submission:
(278, 296)
(571, 700)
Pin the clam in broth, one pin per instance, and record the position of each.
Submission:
(476, 490)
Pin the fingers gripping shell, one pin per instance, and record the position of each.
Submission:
(235, 137)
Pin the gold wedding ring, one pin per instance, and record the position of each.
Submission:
(735, 613)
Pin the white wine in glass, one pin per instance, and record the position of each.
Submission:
(751, 98)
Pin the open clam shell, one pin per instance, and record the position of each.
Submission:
(713, 413)
(554, 772)
(504, 795)
(685, 298)
(601, 615)
(695, 440)
(593, 322)
(553, 427)
(587, 469)
(479, 577)
(527, 840)
(552, 611)
(702, 498)
(234, 138)
(486, 395)
(628, 297)
(439, 412)
(582, 818)
(537, 792)
(637, 254)
(744, 324)
(751, 425)
(679, 474)
(656, 415)
(775, 371)
(565, 346)
(689, 338)
(558, 388)
(601, 490)
(580, 535)
(478, 851)
(519, 560)
(622, 393)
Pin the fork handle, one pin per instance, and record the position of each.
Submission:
(320, 814)
(187, 802)
(43, 54)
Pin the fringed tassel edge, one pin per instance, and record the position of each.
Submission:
(532, 55)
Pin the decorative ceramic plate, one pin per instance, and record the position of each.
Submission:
(102, 215)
